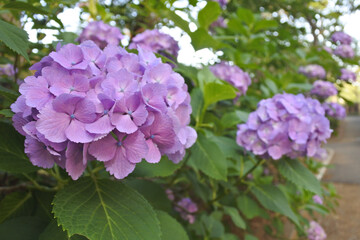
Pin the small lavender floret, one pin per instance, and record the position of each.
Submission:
(7, 69)
(187, 208)
(317, 199)
(323, 89)
(285, 125)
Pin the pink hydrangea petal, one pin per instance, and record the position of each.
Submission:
(101, 126)
(119, 166)
(136, 147)
(103, 149)
(77, 133)
(74, 164)
(153, 155)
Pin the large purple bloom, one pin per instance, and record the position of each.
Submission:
(313, 71)
(85, 104)
(323, 89)
(341, 37)
(344, 51)
(334, 110)
(316, 232)
(156, 42)
(233, 75)
(285, 125)
(347, 75)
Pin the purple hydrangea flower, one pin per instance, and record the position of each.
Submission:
(118, 107)
(313, 71)
(157, 42)
(344, 51)
(7, 69)
(347, 75)
(222, 3)
(317, 199)
(286, 124)
(334, 110)
(220, 22)
(323, 89)
(341, 37)
(328, 49)
(316, 232)
(101, 34)
(233, 75)
(186, 207)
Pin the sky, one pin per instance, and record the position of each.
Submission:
(187, 54)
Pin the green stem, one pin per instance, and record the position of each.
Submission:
(37, 186)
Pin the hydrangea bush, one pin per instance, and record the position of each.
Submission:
(113, 143)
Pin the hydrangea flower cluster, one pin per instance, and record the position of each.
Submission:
(7, 69)
(316, 232)
(344, 51)
(286, 124)
(323, 89)
(186, 207)
(233, 75)
(313, 71)
(341, 37)
(101, 34)
(317, 199)
(157, 42)
(347, 75)
(117, 107)
(334, 110)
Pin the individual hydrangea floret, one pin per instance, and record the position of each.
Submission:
(344, 51)
(157, 42)
(334, 110)
(317, 199)
(347, 75)
(341, 37)
(233, 75)
(285, 125)
(7, 69)
(186, 207)
(313, 71)
(84, 103)
(316, 232)
(101, 34)
(323, 89)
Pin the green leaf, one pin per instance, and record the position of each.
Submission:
(22, 228)
(250, 237)
(248, 206)
(271, 85)
(8, 94)
(214, 92)
(300, 86)
(231, 119)
(24, 6)
(152, 192)
(197, 102)
(102, 209)
(319, 208)
(7, 113)
(163, 168)
(12, 156)
(53, 232)
(11, 203)
(213, 226)
(209, 14)
(298, 174)
(245, 15)
(264, 24)
(207, 156)
(170, 228)
(235, 217)
(202, 39)
(14, 38)
(273, 199)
